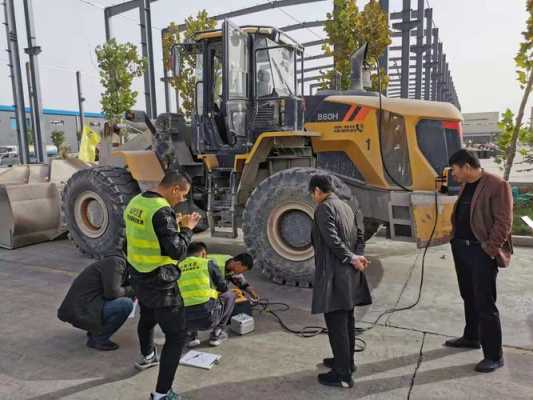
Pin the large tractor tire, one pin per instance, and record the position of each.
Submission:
(277, 223)
(93, 205)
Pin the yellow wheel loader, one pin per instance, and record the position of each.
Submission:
(254, 141)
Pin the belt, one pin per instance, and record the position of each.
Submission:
(466, 242)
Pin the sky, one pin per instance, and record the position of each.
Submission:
(480, 37)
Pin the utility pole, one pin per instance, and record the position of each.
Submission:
(81, 99)
(33, 115)
(16, 80)
(33, 51)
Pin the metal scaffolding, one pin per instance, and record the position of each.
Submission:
(429, 77)
(145, 23)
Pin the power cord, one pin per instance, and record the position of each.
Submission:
(422, 272)
(266, 306)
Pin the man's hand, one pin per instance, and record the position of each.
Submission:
(360, 263)
(190, 220)
(251, 291)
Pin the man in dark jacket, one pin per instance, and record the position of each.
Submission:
(340, 283)
(99, 301)
(155, 246)
(482, 221)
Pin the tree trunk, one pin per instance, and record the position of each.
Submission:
(511, 150)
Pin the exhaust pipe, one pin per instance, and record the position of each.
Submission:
(358, 59)
(360, 77)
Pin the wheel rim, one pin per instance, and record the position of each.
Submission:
(289, 231)
(90, 213)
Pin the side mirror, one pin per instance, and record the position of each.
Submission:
(176, 61)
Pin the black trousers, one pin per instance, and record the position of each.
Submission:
(476, 273)
(172, 323)
(341, 335)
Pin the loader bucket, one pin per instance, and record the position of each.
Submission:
(29, 213)
(30, 201)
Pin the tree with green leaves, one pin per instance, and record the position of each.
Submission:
(119, 65)
(524, 141)
(185, 83)
(348, 29)
(58, 138)
(524, 70)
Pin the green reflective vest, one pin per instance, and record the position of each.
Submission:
(144, 251)
(220, 260)
(195, 282)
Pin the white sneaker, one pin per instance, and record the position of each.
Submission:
(217, 337)
(143, 362)
(194, 341)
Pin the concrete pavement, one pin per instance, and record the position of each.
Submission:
(43, 359)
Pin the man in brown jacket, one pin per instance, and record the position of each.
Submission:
(481, 243)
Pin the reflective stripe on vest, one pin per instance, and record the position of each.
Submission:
(220, 260)
(144, 251)
(195, 282)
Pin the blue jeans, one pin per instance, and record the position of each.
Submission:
(114, 314)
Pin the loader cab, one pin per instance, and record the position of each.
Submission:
(245, 84)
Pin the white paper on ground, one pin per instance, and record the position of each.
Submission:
(528, 221)
(200, 359)
(132, 313)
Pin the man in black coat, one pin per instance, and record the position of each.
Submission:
(340, 283)
(99, 301)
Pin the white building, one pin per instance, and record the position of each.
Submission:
(480, 127)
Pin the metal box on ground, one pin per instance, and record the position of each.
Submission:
(242, 324)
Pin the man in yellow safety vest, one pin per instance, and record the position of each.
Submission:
(208, 302)
(155, 245)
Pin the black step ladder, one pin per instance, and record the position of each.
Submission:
(221, 202)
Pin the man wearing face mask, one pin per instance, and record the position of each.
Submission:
(155, 246)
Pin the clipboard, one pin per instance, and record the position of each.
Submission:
(200, 359)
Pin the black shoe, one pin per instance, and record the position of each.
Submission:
(105, 346)
(487, 365)
(328, 362)
(463, 343)
(333, 379)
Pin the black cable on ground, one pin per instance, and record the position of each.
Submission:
(306, 331)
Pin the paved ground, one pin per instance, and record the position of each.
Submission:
(44, 359)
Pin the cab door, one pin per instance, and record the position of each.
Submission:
(235, 83)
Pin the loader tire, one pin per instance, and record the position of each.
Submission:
(94, 201)
(277, 223)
